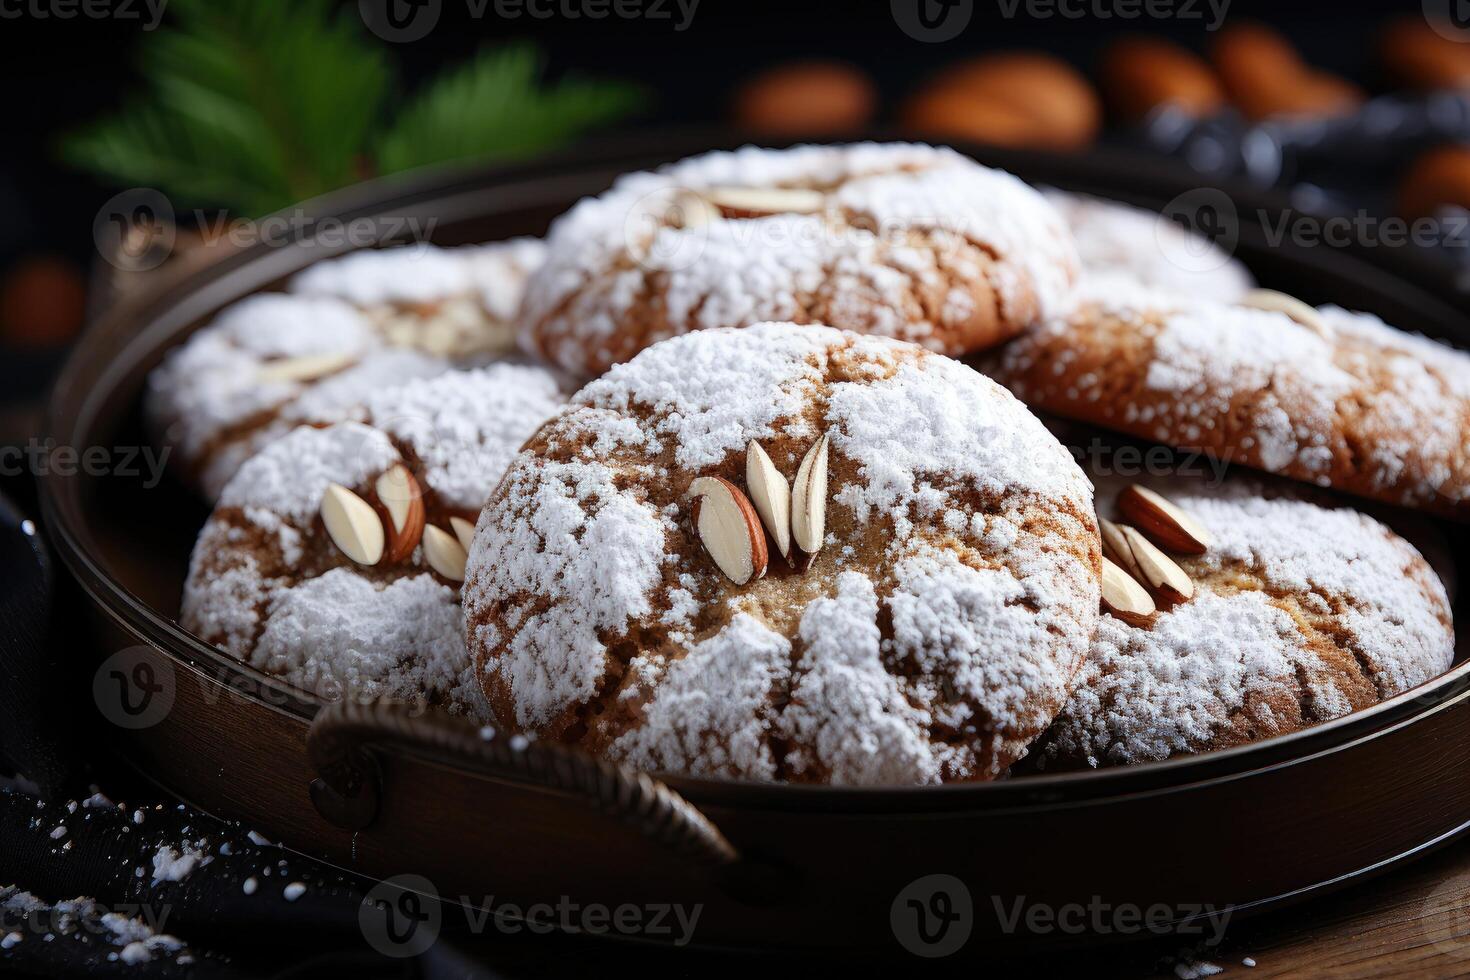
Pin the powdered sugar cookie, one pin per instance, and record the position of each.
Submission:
(357, 325)
(333, 557)
(1118, 239)
(941, 587)
(1300, 614)
(454, 302)
(901, 240)
(1334, 398)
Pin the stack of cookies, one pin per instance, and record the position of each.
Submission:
(738, 474)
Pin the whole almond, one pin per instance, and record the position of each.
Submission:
(401, 497)
(463, 530)
(1163, 522)
(1158, 571)
(729, 528)
(308, 367)
(771, 495)
(755, 202)
(444, 553)
(1124, 598)
(1275, 302)
(809, 499)
(352, 524)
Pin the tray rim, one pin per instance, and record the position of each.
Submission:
(65, 524)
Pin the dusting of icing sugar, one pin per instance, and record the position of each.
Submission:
(855, 257)
(135, 942)
(288, 479)
(572, 555)
(494, 273)
(1148, 248)
(466, 427)
(1171, 688)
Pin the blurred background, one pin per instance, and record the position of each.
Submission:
(239, 107)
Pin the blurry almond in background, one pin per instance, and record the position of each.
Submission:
(1140, 74)
(808, 98)
(1413, 53)
(1438, 178)
(1013, 99)
(42, 303)
(1265, 76)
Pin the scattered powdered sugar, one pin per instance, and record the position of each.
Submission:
(948, 618)
(1232, 651)
(134, 940)
(176, 864)
(1148, 248)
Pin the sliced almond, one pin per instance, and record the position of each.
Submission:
(755, 202)
(689, 210)
(352, 524)
(1115, 547)
(729, 528)
(463, 530)
(1275, 302)
(308, 367)
(444, 553)
(401, 497)
(1158, 571)
(1124, 598)
(771, 495)
(1163, 522)
(809, 499)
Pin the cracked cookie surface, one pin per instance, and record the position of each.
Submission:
(348, 328)
(900, 240)
(268, 584)
(1360, 407)
(1301, 614)
(935, 633)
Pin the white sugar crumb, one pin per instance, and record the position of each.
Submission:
(1149, 693)
(1195, 969)
(176, 864)
(58, 832)
(134, 941)
(1248, 961)
(258, 838)
(1115, 238)
(974, 627)
(249, 886)
(606, 251)
(293, 891)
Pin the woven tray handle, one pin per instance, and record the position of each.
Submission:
(344, 737)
